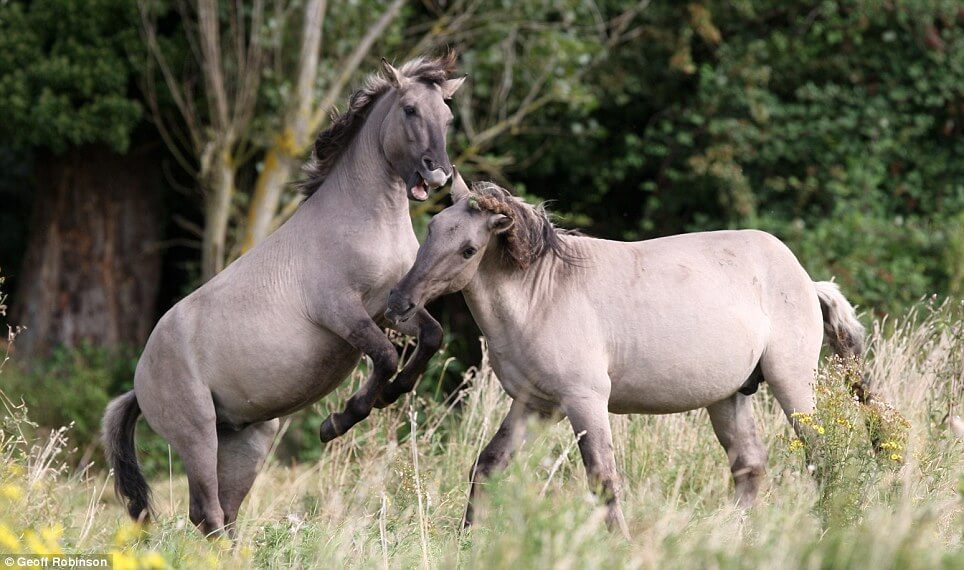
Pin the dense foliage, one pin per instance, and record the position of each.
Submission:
(836, 125)
(66, 72)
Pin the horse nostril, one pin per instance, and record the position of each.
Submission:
(429, 163)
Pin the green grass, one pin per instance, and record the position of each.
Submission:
(391, 492)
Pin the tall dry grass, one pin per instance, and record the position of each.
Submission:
(391, 492)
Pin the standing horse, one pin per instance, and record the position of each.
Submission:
(587, 326)
(286, 323)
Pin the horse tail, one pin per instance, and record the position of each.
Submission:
(842, 330)
(118, 439)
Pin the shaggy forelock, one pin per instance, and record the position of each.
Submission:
(532, 234)
(332, 141)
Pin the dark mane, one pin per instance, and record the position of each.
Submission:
(335, 139)
(532, 234)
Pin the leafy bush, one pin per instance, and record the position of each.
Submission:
(72, 388)
(848, 446)
(835, 124)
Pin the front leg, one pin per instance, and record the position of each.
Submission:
(496, 455)
(429, 334)
(365, 335)
(589, 416)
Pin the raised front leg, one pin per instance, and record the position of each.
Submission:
(497, 453)
(367, 337)
(429, 334)
(590, 421)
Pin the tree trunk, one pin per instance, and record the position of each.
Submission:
(301, 123)
(92, 267)
(274, 177)
(219, 190)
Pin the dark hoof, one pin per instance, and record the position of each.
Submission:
(328, 430)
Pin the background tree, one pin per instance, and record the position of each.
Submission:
(91, 266)
(249, 81)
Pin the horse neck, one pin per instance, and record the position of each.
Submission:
(362, 187)
(503, 297)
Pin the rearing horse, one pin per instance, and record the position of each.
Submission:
(287, 322)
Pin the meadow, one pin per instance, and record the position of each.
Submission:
(390, 494)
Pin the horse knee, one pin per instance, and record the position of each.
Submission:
(749, 471)
(483, 468)
(606, 486)
(385, 362)
(750, 459)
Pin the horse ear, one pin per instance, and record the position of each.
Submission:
(459, 188)
(498, 223)
(393, 75)
(450, 86)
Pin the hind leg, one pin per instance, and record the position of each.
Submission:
(189, 425)
(735, 427)
(789, 367)
(240, 456)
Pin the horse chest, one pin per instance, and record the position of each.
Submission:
(516, 379)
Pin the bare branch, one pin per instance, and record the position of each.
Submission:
(351, 64)
(210, 31)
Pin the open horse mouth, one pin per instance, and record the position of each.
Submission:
(426, 181)
(419, 190)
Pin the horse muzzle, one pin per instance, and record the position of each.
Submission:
(435, 178)
(399, 310)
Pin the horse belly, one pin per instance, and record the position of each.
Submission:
(686, 363)
(268, 364)
(284, 377)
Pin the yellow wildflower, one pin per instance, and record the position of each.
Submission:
(895, 457)
(223, 543)
(805, 419)
(11, 492)
(153, 560)
(126, 534)
(37, 545)
(122, 560)
(51, 535)
(8, 540)
(795, 444)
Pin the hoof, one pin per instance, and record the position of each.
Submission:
(328, 431)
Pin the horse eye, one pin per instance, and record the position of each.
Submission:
(409, 110)
(468, 252)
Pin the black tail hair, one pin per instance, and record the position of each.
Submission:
(118, 437)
